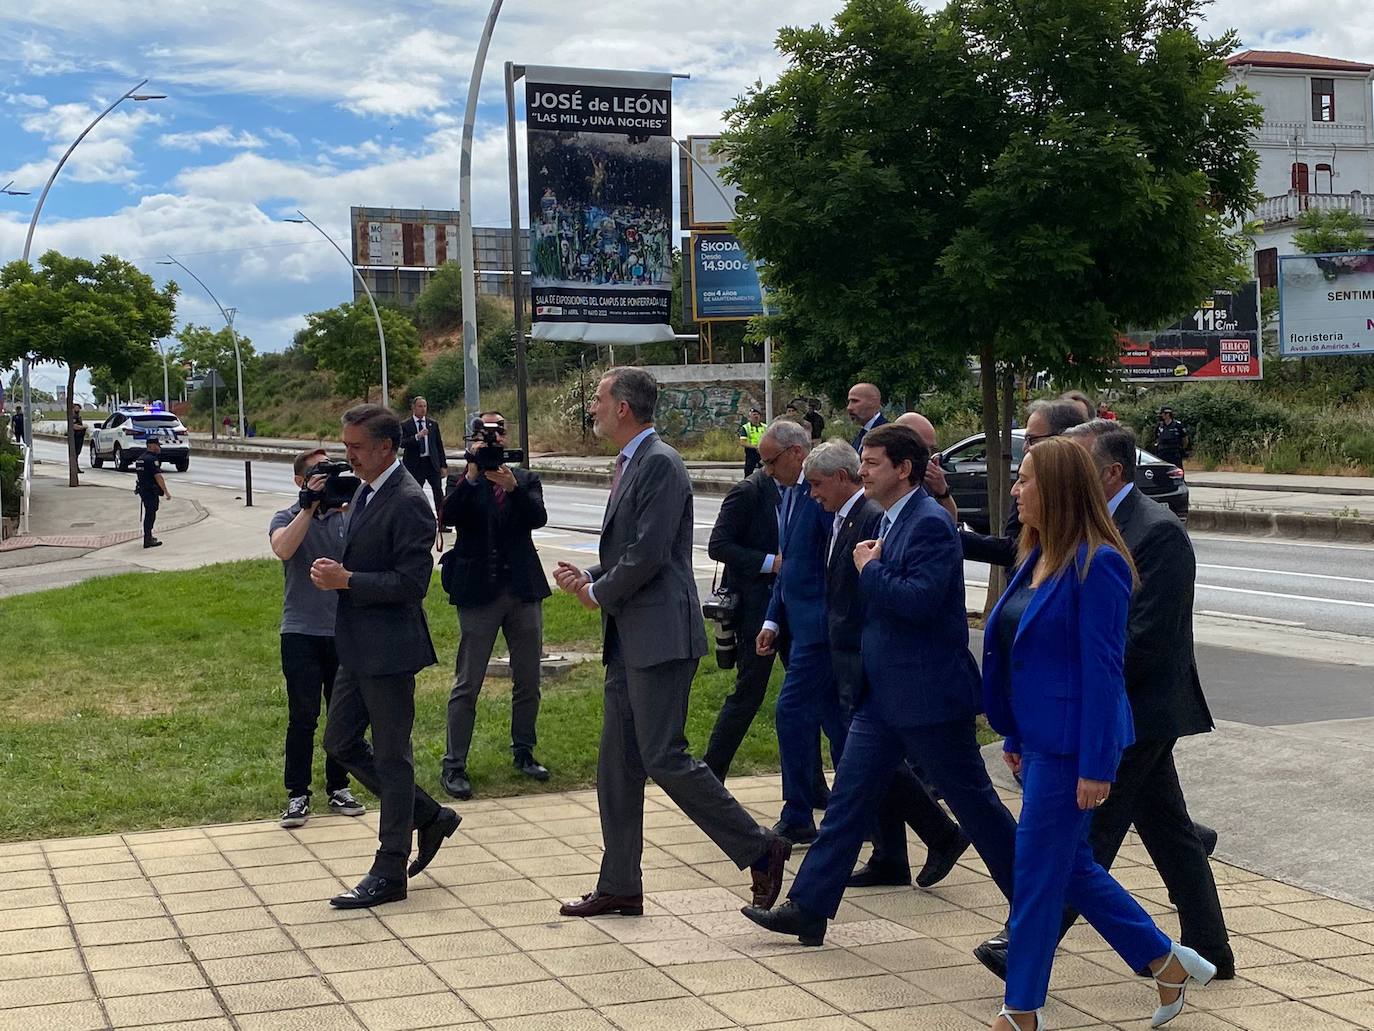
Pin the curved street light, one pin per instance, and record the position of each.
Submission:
(228, 321)
(381, 333)
(131, 94)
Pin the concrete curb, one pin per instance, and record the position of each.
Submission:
(231, 451)
(1201, 480)
(1293, 525)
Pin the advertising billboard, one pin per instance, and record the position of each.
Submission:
(600, 200)
(1219, 339)
(1326, 303)
(706, 208)
(725, 281)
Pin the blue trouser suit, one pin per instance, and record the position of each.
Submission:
(808, 703)
(1055, 865)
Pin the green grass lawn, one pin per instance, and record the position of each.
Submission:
(156, 700)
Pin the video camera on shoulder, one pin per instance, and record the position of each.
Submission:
(488, 452)
(338, 488)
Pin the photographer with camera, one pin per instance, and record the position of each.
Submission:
(493, 577)
(310, 529)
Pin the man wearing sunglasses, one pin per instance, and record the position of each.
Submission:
(494, 579)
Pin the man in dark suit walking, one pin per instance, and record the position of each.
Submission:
(494, 578)
(654, 638)
(382, 641)
(808, 702)
(865, 407)
(832, 470)
(422, 449)
(920, 696)
(745, 540)
(1166, 700)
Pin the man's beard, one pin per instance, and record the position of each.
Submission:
(597, 429)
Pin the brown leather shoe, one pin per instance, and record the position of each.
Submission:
(595, 903)
(767, 883)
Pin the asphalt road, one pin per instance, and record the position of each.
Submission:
(1280, 582)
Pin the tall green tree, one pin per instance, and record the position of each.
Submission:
(1007, 181)
(84, 314)
(343, 340)
(146, 379)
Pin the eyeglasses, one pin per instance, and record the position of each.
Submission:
(1032, 439)
(766, 460)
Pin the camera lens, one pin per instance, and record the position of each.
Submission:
(726, 649)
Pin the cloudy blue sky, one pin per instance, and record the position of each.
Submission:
(273, 106)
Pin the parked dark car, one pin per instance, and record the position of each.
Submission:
(966, 471)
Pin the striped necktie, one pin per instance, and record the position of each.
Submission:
(884, 527)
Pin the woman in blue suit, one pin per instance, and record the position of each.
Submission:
(1053, 685)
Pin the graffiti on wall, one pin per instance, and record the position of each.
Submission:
(690, 411)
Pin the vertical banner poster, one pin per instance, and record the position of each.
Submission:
(710, 199)
(601, 194)
(1326, 303)
(1219, 339)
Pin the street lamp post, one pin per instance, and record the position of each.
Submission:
(472, 399)
(166, 398)
(228, 314)
(381, 333)
(131, 94)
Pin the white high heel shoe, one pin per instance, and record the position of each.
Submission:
(1012, 1014)
(1195, 967)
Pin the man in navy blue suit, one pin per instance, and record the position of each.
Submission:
(808, 701)
(921, 690)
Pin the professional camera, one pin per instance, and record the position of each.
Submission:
(338, 488)
(720, 608)
(487, 453)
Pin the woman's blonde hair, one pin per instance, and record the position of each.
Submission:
(1072, 508)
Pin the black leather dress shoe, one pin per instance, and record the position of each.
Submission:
(993, 955)
(1208, 836)
(874, 873)
(431, 837)
(789, 918)
(456, 785)
(530, 766)
(371, 891)
(768, 870)
(940, 863)
(595, 903)
(795, 833)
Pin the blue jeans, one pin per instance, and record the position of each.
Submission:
(1054, 865)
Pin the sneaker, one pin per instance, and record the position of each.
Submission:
(297, 811)
(343, 802)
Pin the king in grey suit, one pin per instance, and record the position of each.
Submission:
(383, 641)
(653, 640)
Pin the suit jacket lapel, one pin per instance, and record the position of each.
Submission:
(630, 467)
(378, 497)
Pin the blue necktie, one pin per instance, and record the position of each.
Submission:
(884, 527)
(363, 495)
(784, 512)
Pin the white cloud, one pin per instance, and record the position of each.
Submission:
(219, 136)
(25, 99)
(105, 156)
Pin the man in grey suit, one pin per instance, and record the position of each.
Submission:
(383, 641)
(654, 638)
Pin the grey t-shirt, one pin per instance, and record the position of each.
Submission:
(305, 608)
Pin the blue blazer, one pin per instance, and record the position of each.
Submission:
(917, 666)
(798, 601)
(1063, 691)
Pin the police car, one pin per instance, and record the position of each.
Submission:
(122, 438)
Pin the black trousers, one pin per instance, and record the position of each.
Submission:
(1147, 793)
(309, 662)
(387, 769)
(751, 460)
(426, 474)
(752, 671)
(150, 504)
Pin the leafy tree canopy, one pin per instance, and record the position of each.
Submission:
(1330, 232)
(343, 340)
(207, 348)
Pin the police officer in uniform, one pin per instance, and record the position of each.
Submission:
(750, 433)
(151, 487)
(1171, 438)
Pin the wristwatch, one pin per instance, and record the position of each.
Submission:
(941, 497)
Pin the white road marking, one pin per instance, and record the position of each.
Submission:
(1290, 597)
(1288, 572)
(1281, 542)
(1248, 619)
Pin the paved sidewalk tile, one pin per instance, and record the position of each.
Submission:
(229, 927)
